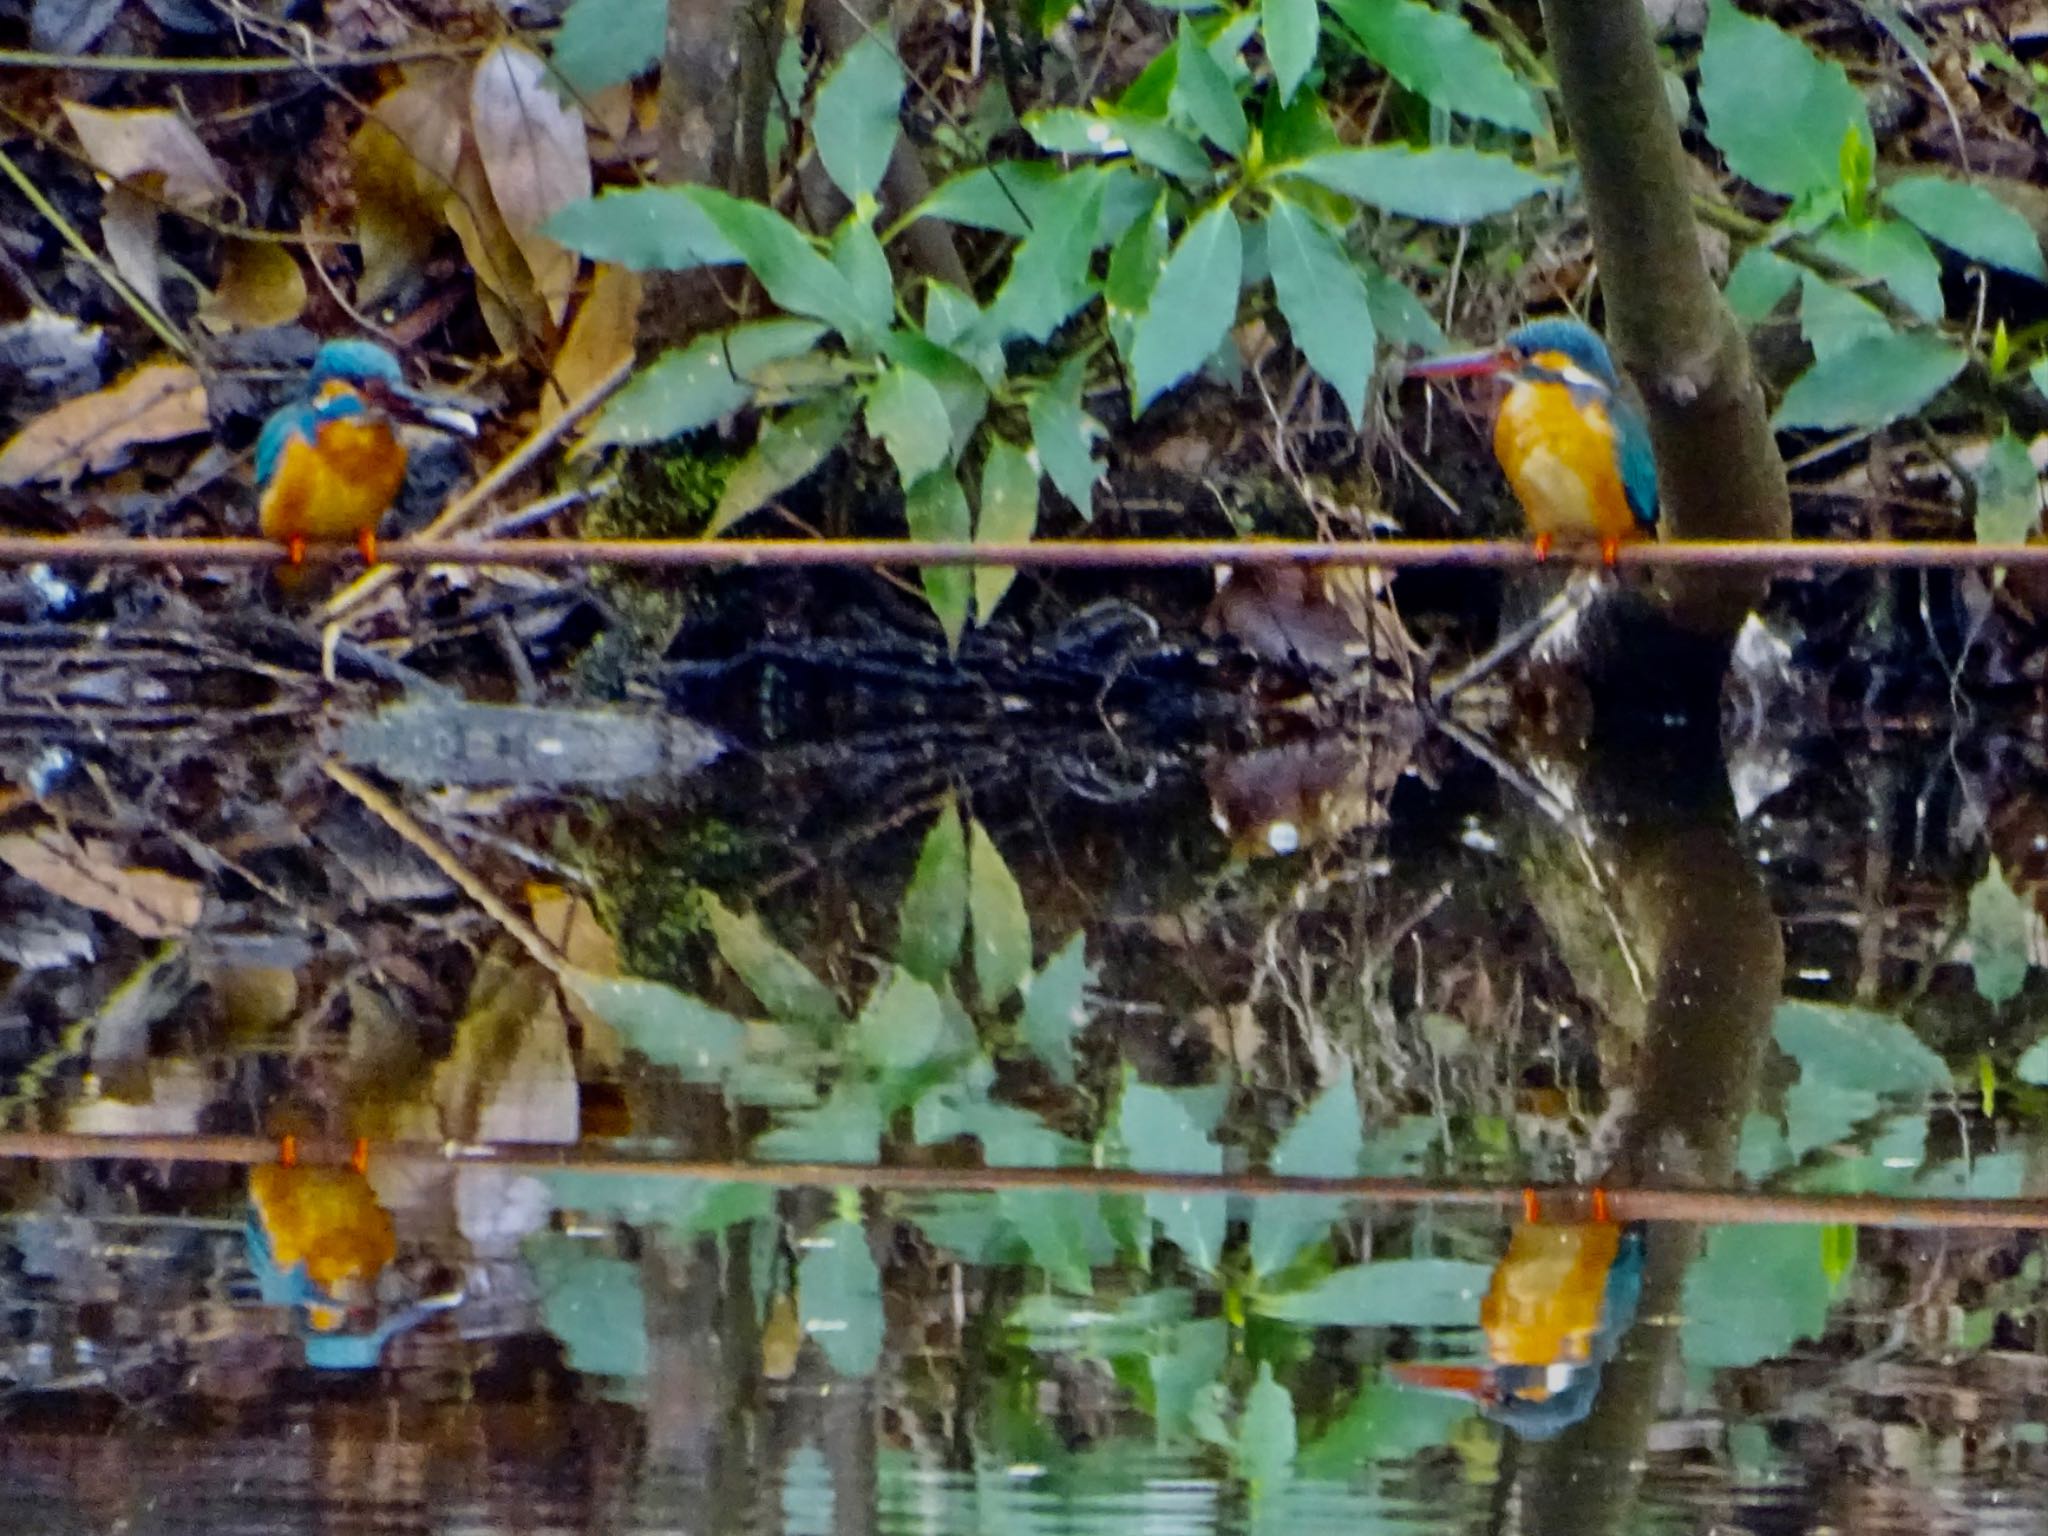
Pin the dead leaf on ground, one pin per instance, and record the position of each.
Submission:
(513, 309)
(157, 403)
(260, 285)
(151, 148)
(146, 902)
(600, 338)
(129, 227)
(536, 156)
(566, 921)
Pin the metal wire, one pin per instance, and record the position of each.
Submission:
(1624, 1204)
(1069, 554)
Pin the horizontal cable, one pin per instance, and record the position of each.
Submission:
(1625, 1204)
(1083, 554)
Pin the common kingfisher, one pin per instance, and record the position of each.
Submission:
(1573, 443)
(317, 1243)
(330, 464)
(1561, 1300)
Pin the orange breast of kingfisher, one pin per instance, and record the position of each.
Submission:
(333, 492)
(1543, 1307)
(327, 1219)
(1560, 457)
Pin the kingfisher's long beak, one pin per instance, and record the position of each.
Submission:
(1462, 365)
(1472, 1381)
(410, 404)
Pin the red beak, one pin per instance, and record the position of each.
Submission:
(1473, 1381)
(1462, 365)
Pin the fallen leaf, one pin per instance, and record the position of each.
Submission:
(147, 902)
(600, 338)
(260, 285)
(402, 162)
(536, 156)
(128, 225)
(150, 147)
(155, 404)
(513, 309)
(567, 922)
(69, 26)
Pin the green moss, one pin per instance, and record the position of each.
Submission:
(649, 875)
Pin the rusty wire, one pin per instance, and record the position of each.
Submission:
(1069, 554)
(1624, 1204)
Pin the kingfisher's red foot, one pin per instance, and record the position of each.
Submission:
(1610, 552)
(366, 541)
(1602, 1212)
(288, 1151)
(295, 550)
(359, 1155)
(1544, 543)
(1532, 1205)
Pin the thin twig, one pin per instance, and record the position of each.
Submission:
(153, 64)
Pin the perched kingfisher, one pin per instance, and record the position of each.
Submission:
(317, 1242)
(330, 463)
(1571, 439)
(1562, 1299)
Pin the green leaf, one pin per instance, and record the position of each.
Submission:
(2033, 1065)
(854, 123)
(1891, 251)
(1048, 278)
(900, 1029)
(1855, 1048)
(1445, 186)
(783, 983)
(605, 42)
(858, 254)
(1006, 196)
(1009, 515)
(1290, 29)
(958, 382)
(1204, 97)
(2000, 923)
(933, 919)
(905, 412)
(1063, 435)
(1192, 306)
(839, 1291)
(1002, 931)
(846, 1128)
(592, 1302)
(1774, 108)
(1323, 297)
(1758, 284)
(1161, 1136)
(1392, 1293)
(669, 1027)
(1056, 1007)
(1834, 319)
(2038, 377)
(1970, 220)
(936, 509)
(1870, 383)
(1328, 1140)
(1266, 1440)
(2008, 506)
(788, 448)
(1066, 131)
(1752, 1294)
(1437, 55)
(1398, 315)
(691, 387)
(795, 275)
(1191, 1361)
(645, 228)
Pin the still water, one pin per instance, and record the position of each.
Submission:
(1070, 931)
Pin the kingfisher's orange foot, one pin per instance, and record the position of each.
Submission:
(366, 541)
(1602, 1211)
(1610, 552)
(295, 550)
(1532, 1205)
(359, 1155)
(1544, 543)
(288, 1151)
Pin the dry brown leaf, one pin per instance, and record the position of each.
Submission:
(403, 160)
(146, 902)
(537, 158)
(155, 404)
(128, 225)
(513, 309)
(151, 147)
(260, 285)
(567, 922)
(600, 338)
